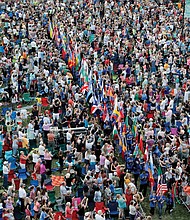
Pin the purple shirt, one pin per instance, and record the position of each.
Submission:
(42, 169)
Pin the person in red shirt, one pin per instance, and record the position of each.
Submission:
(68, 211)
(23, 160)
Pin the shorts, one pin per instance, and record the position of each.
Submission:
(55, 116)
(87, 162)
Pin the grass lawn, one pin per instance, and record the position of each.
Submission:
(179, 212)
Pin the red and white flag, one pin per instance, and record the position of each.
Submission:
(161, 188)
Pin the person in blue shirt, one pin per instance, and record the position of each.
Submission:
(160, 200)
(136, 169)
(129, 163)
(152, 200)
(111, 186)
(43, 215)
(143, 182)
(169, 203)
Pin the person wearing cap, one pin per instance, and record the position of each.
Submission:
(23, 160)
(6, 169)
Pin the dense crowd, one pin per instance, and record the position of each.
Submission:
(95, 92)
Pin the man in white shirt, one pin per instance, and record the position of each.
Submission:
(178, 171)
(41, 150)
(63, 191)
(69, 136)
(6, 169)
(22, 195)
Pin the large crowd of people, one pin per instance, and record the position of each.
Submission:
(95, 92)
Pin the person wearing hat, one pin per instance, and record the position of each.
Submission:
(6, 169)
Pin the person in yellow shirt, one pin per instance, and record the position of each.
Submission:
(25, 142)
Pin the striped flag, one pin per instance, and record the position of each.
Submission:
(161, 188)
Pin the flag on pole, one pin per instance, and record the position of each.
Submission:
(115, 133)
(50, 29)
(162, 187)
(84, 71)
(115, 113)
(141, 145)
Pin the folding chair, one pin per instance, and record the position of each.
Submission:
(34, 183)
(11, 175)
(52, 198)
(26, 98)
(22, 174)
(60, 207)
(100, 206)
(113, 209)
(8, 154)
(58, 216)
(12, 162)
(118, 191)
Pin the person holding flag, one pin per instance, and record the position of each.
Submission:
(160, 201)
(152, 200)
(143, 182)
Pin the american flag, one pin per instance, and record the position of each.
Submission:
(162, 188)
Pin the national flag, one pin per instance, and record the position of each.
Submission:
(110, 91)
(115, 113)
(161, 188)
(71, 60)
(151, 171)
(146, 154)
(141, 148)
(50, 29)
(136, 151)
(159, 174)
(151, 163)
(115, 133)
(127, 121)
(95, 107)
(84, 88)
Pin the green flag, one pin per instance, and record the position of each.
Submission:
(127, 121)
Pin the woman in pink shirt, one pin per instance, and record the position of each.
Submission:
(102, 160)
(48, 159)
